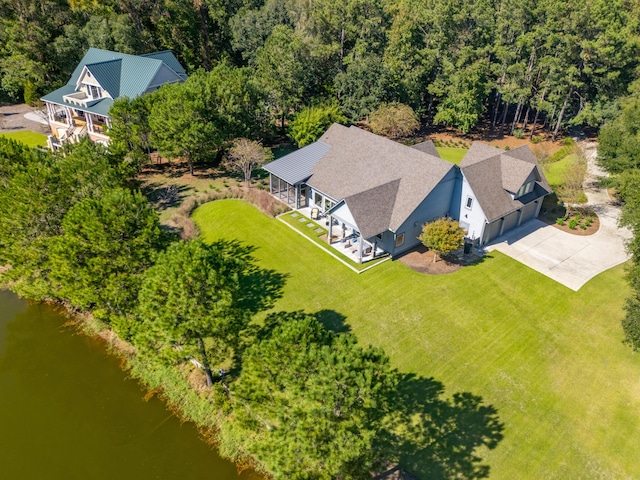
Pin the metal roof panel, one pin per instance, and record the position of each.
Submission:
(296, 166)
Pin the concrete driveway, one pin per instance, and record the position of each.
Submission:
(571, 260)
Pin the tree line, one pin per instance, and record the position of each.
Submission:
(619, 154)
(298, 400)
(511, 65)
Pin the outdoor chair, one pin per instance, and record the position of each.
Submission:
(315, 214)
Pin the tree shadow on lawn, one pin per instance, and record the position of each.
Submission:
(164, 196)
(259, 287)
(436, 438)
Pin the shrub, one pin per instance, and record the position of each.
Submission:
(518, 133)
(507, 147)
(310, 123)
(537, 139)
(573, 224)
(394, 120)
(568, 141)
(443, 236)
(560, 221)
(588, 221)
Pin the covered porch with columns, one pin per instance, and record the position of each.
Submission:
(347, 239)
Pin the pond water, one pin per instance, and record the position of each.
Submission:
(68, 411)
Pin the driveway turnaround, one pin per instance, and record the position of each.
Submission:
(571, 260)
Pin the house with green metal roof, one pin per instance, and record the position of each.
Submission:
(81, 107)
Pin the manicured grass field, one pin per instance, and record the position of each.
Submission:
(33, 139)
(549, 359)
(451, 154)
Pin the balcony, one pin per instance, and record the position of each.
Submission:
(81, 99)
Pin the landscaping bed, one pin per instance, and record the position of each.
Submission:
(420, 259)
(575, 220)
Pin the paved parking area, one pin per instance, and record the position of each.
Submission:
(571, 260)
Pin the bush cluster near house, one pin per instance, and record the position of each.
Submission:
(299, 401)
(443, 236)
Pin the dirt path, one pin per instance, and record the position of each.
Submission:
(598, 198)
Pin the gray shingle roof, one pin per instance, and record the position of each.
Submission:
(493, 173)
(427, 147)
(372, 209)
(296, 166)
(359, 162)
(120, 74)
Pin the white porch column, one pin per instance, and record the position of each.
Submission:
(360, 247)
(330, 229)
(50, 112)
(89, 122)
(520, 216)
(501, 226)
(67, 110)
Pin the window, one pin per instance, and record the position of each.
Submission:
(526, 188)
(399, 239)
(469, 203)
(95, 91)
(317, 199)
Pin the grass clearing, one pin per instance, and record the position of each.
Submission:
(554, 171)
(549, 359)
(452, 154)
(28, 137)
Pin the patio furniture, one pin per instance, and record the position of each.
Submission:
(315, 214)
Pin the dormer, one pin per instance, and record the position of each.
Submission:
(518, 176)
(95, 82)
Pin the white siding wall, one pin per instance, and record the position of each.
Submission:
(473, 216)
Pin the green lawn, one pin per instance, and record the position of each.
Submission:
(33, 139)
(451, 154)
(549, 359)
(554, 171)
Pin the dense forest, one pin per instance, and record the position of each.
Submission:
(495, 63)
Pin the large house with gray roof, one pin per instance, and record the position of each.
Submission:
(377, 194)
(81, 107)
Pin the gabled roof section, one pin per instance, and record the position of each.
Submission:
(494, 175)
(358, 162)
(108, 75)
(296, 166)
(372, 209)
(427, 147)
(169, 59)
(514, 172)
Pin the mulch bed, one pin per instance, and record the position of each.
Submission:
(420, 259)
(590, 230)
